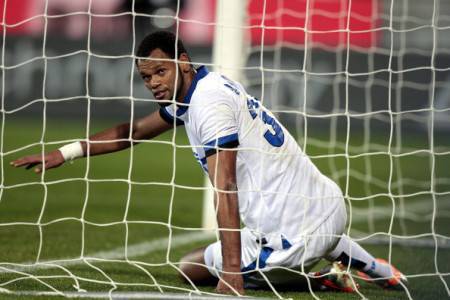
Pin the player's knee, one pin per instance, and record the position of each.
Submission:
(185, 271)
(188, 265)
(192, 268)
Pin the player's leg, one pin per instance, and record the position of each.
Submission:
(348, 252)
(351, 253)
(332, 277)
(194, 267)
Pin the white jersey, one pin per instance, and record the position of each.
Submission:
(280, 191)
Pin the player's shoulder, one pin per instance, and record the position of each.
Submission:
(214, 88)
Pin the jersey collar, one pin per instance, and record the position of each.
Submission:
(183, 107)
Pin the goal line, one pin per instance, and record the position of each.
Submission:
(128, 295)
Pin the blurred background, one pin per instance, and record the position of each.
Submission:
(397, 60)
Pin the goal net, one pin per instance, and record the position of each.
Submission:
(364, 87)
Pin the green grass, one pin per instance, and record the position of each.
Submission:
(61, 198)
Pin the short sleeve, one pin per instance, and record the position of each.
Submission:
(217, 126)
(167, 114)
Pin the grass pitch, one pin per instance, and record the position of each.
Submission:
(93, 208)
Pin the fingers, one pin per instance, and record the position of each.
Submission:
(31, 165)
(27, 161)
(230, 284)
(229, 291)
(51, 160)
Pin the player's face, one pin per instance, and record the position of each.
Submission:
(160, 76)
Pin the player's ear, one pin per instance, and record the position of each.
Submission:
(185, 63)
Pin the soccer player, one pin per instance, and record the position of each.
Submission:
(293, 214)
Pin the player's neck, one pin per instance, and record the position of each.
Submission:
(186, 81)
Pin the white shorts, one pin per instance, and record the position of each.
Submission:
(289, 259)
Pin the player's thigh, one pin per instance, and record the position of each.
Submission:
(307, 251)
(325, 238)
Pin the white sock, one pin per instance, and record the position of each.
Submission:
(350, 252)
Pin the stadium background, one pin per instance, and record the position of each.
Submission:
(374, 88)
(112, 36)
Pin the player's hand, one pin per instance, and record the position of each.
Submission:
(234, 280)
(51, 160)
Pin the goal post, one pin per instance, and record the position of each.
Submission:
(229, 58)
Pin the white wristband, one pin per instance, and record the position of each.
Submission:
(72, 151)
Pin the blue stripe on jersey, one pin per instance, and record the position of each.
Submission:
(285, 243)
(229, 142)
(263, 256)
(202, 161)
(201, 73)
(168, 117)
(221, 141)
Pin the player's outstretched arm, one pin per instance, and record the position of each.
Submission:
(110, 140)
(222, 172)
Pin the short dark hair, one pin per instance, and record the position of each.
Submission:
(164, 40)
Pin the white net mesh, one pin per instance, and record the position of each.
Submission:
(362, 85)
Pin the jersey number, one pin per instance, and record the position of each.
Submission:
(275, 137)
